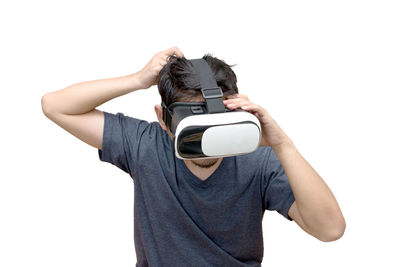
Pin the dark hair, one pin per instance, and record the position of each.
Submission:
(178, 81)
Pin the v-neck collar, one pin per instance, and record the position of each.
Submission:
(211, 180)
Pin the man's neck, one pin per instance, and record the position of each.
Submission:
(202, 173)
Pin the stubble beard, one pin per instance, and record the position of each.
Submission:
(204, 163)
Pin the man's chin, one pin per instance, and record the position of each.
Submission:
(205, 163)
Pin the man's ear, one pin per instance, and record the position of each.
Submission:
(158, 110)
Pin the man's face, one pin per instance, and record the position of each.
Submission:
(202, 163)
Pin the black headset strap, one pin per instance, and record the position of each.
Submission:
(167, 116)
(209, 87)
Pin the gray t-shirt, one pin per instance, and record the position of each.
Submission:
(180, 220)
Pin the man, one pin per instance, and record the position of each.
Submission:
(204, 212)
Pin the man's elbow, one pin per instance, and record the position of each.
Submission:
(334, 232)
(47, 105)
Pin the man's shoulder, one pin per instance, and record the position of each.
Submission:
(136, 129)
(255, 160)
(146, 125)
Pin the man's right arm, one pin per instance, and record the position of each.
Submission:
(73, 108)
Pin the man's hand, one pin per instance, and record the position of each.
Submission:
(272, 134)
(149, 74)
(315, 209)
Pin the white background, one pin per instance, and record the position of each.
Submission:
(327, 71)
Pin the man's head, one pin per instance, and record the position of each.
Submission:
(178, 82)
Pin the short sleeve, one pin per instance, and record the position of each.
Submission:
(277, 193)
(121, 138)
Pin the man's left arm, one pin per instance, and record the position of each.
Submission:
(315, 208)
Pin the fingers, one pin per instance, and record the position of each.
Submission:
(234, 103)
(243, 102)
(247, 105)
(237, 98)
(162, 58)
(172, 51)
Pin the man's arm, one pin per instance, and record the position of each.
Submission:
(73, 108)
(315, 209)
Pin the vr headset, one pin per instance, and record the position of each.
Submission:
(208, 129)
